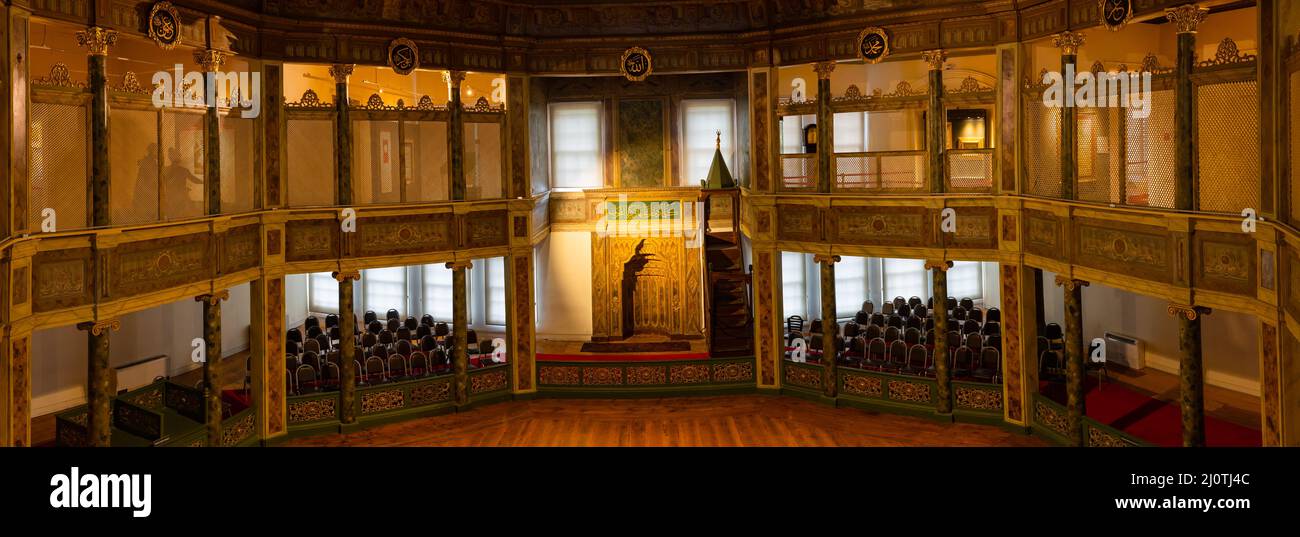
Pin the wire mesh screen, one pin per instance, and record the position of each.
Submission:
(133, 160)
(183, 143)
(1150, 146)
(483, 161)
(1042, 154)
(1293, 100)
(1100, 162)
(970, 170)
(424, 160)
(1227, 130)
(376, 174)
(857, 171)
(237, 161)
(310, 162)
(903, 171)
(798, 171)
(59, 173)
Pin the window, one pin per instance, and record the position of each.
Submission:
(438, 292)
(965, 280)
(323, 293)
(906, 278)
(850, 286)
(792, 140)
(385, 289)
(576, 159)
(703, 121)
(494, 284)
(850, 132)
(794, 288)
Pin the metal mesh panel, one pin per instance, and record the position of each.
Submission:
(310, 162)
(856, 172)
(237, 161)
(59, 173)
(1099, 152)
(1150, 146)
(483, 178)
(1042, 153)
(970, 170)
(902, 172)
(183, 143)
(1293, 99)
(798, 171)
(425, 163)
(134, 161)
(376, 174)
(1227, 130)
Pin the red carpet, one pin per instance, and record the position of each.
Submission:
(620, 357)
(1150, 419)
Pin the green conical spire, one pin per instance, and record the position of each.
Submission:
(719, 175)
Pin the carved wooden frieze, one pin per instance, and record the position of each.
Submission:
(310, 240)
(887, 226)
(1043, 235)
(240, 249)
(1043, 19)
(408, 234)
(485, 228)
(62, 279)
(1134, 249)
(798, 222)
(1224, 262)
(156, 264)
(568, 210)
(977, 227)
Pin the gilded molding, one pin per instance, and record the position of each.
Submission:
(935, 58)
(453, 78)
(214, 298)
(1188, 311)
(938, 265)
(1069, 42)
(1070, 283)
(1187, 16)
(341, 72)
(210, 60)
(824, 70)
(131, 84)
(1227, 54)
(345, 275)
(98, 328)
(96, 40)
(59, 76)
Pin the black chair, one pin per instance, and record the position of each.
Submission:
(403, 334)
(966, 304)
(976, 314)
(396, 366)
(374, 327)
(471, 337)
(991, 328)
(857, 353)
(311, 345)
(887, 308)
(897, 356)
(851, 329)
(862, 317)
(324, 341)
(441, 330)
(386, 338)
(815, 327)
(312, 359)
(990, 365)
(920, 311)
(1055, 336)
(311, 322)
(892, 334)
(313, 331)
(912, 336)
(794, 324)
(903, 311)
(403, 347)
(419, 364)
(369, 340)
(876, 358)
(370, 317)
(953, 339)
(878, 319)
(993, 315)
(336, 335)
(394, 314)
(974, 341)
(914, 301)
(393, 324)
(410, 323)
(895, 321)
(294, 335)
(970, 326)
(1051, 367)
(423, 330)
(304, 379)
(1042, 346)
(330, 376)
(428, 343)
(914, 322)
(963, 361)
(331, 320)
(917, 360)
(292, 347)
(426, 320)
(868, 307)
(375, 370)
(959, 314)
(994, 341)
(951, 303)
(928, 339)
(872, 332)
(899, 302)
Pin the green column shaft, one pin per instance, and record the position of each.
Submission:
(830, 330)
(456, 132)
(1184, 172)
(99, 390)
(1191, 376)
(936, 130)
(212, 370)
(343, 146)
(1069, 136)
(347, 353)
(212, 171)
(942, 375)
(99, 162)
(825, 136)
(1074, 372)
(460, 320)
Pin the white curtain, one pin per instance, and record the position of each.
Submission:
(323, 293)
(495, 286)
(966, 280)
(850, 286)
(794, 288)
(906, 278)
(437, 292)
(576, 159)
(385, 289)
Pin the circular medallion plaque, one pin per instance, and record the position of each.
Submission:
(164, 25)
(403, 56)
(873, 45)
(636, 64)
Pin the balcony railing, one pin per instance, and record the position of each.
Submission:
(881, 171)
(969, 170)
(798, 172)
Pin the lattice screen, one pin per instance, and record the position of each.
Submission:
(59, 173)
(798, 171)
(902, 172)
(376, 165)
(483, 172)
(310, 162)
(1099, 154)
(183, 143)
(237, 160)
(970, 170)
(134, 160)
(1042, 154)
(856, 172)
(426, 165)
(1150, 148)
(1293, 100)
(1227, 130)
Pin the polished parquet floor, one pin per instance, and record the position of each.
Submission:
(747, 420)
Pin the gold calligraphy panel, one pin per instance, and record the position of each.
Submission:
(890, 226)
(310, 240)
(394, 235)
(62, 279)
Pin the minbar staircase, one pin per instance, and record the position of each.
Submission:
(731, 326)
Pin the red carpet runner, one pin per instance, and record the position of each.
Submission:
(1150, 419)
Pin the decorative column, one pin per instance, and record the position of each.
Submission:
(15, 388)
(342, 134)
(269, 371)
(942, 376)
(14, 136)
(456, 133)
(937, 144)
(348, 347)
(97, 42)
(518, 96)
(212, 365)
(1191, 372)
(830, 329)
(210, 62)
(1075, 407)
(460, 321)
(825, 129)
(1069, 43)
(100, 384)
(520, 326)
(1187, 17)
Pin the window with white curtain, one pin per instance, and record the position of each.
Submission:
(437, 292)
(385, 289)
(905, 277)
(850, 132)
(322, 293)
(576, 157)
(792, 142)
(966, 280)
(494, 284)
(850, 286)
(702, 121)
(794, 286)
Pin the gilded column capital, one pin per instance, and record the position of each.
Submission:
(211, 60)
(214, 298)
(341, 72)
(1187, 17)
(96, 40)
(1070, 284)
(828, 259)
(1188, 311)
(938, 265)
(98, 328)
(1069, 42)
(935, 58)
(453, 77)
(460, 264)
(346, 275)
(824, 70)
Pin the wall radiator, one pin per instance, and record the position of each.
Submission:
(1124, 350)
(141, 372)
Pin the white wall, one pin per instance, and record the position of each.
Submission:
(1230, 340)
(59, 354)
(564, 286)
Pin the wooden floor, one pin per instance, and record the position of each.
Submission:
(748, 420)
